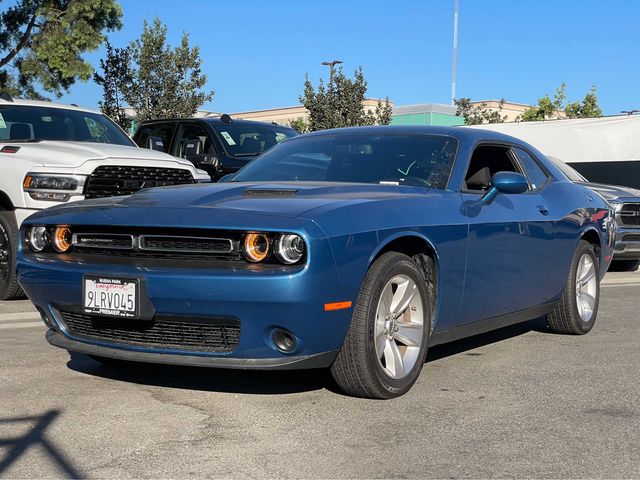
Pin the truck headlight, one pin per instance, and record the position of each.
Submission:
(50, 187)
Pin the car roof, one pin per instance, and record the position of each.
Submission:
(212, 120)
(43, 103)
(459, 132)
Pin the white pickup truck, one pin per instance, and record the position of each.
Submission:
(52, 153)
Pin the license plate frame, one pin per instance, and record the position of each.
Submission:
(118, 282)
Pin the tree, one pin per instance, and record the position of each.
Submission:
(300, 125)
(116, 75)
(165, 81)
(42, 43)
(477, 114)
(339, 103)
(587, 109)
(546, 108)
(556, 108)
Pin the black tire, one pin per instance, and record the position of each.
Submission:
(9, 286)
(357, 369)
(565, 317)
(624, 265)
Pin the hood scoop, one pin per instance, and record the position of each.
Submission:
(269, 193)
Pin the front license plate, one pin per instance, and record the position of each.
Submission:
(115, 297)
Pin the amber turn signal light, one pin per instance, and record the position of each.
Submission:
(62, 239)
(256, 247)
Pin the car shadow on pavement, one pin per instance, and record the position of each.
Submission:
(203, 378)
(484, 339)
(35, 437)
(267, 382)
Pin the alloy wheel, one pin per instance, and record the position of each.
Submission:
(399, 327)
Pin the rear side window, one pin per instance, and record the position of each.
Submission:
(161, 131)
(536, 176)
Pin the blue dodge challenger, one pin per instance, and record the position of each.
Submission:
(351, 249)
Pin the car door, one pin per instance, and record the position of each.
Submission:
(193, 142)
(510, 243)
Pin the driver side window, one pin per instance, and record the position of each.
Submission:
(486, 161)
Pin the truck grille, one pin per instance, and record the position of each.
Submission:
(114, 180)
(192, 334)
(630, 214)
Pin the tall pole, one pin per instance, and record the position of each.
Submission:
(455, 53)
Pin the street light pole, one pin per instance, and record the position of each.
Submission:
(455, 52)
(331, 65)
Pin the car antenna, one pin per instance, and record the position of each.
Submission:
(6, 96)
(226, 118)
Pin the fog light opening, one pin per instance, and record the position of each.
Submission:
(284, 341)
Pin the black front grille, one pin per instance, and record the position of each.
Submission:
(630, 214)
(631, 237)
(113, 180)
(185, 244)
(194, 334)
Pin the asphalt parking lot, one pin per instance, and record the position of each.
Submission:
(520, 402)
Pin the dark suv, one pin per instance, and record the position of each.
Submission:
(219, 145)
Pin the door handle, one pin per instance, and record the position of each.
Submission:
(543, 209)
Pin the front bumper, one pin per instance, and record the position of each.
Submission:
(263, 300)
(318, 360)
(627, 245)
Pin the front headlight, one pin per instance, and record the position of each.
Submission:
(38, 238)
(289, 248)
(50, 187)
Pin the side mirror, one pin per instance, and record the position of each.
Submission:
(154, 143)
(506, 182)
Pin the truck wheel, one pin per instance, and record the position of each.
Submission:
(576, 311)
(624, 265)
(9, 286)
(386, 345)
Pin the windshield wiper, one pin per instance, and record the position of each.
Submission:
(246, 154)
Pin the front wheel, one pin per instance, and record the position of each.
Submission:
(9, 286)
(576, 311)
(386, 345)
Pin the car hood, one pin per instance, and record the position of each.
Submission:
(612, 192)
(273, 199)
(73, 154)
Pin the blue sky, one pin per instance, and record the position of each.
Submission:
(256, 53)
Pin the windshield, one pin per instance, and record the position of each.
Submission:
(249, 140)
(569, 172)
(33, 123)
(398, 159)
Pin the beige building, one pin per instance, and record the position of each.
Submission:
(511, 110)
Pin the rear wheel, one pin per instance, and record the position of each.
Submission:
(386, 345)
(9, 286)
(624, 265)
(576, 311)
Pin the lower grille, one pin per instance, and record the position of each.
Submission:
(113, 180)
(631, 237)
(203, 335)
(630, 214)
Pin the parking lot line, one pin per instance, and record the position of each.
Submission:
(8, 326)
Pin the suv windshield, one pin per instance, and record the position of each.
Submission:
(33, 123)
(399, 159)
(249, 140)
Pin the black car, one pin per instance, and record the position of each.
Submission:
(218, 145)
